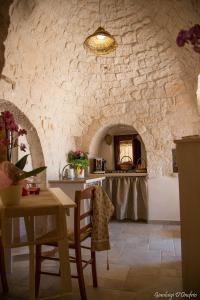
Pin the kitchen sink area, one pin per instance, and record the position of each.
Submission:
(121, 158)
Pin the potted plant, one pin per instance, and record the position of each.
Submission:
(79, 161)
(12, 175)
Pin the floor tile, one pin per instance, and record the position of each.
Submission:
(144, 259)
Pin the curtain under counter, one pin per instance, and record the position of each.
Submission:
(129, 196)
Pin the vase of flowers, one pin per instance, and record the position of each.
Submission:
(12, 175)
(79, 161)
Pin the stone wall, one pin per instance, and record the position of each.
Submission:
(4, 24)
(69, 95)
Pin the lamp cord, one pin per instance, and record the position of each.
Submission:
(99, 13)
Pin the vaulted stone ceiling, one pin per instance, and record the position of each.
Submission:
(4, 24)
(68, 94)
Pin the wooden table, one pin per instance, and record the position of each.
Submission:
(52, 202)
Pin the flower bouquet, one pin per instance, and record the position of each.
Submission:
(12, 175)
(79, 161)
(9, 134)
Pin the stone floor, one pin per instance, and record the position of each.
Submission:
(145, 260)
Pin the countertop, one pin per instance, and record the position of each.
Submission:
(128, 174)
(89, 179)
(98, 177)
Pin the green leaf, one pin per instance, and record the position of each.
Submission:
(20, 164)
(79, 162)
(31, 173)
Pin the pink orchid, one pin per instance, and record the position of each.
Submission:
(22, 132)
(11, 132)
(191, 36)
(22, 147)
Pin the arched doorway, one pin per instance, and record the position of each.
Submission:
(128, 191)
(99, 147)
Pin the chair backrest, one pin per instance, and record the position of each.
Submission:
(80, 217)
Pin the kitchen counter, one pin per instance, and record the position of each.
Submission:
(128, 192)
(128, 174)
(70, 186)
(89, 179)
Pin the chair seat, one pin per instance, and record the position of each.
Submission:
(70, 235)
(83, 236)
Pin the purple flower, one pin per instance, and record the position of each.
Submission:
(8, 121)
(22, 132)
(191, 36)
(11, 132)
(181, 38)
(195, 30)
(22, 147)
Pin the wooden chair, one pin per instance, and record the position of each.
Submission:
(3, 269)
(81, 233)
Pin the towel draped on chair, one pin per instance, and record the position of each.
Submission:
(103, 209)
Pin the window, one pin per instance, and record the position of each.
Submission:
(126, 148)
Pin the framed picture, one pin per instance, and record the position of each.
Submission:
(98, 164)
(174, 161)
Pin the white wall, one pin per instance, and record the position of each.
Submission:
(164, 198)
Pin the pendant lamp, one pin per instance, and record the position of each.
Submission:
(101, 42)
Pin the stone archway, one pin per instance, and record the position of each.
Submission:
(33, 140)
(98, 147)
(96, 132)
(4, 24)
(97, 138)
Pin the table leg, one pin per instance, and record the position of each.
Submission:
(8, 260)
(29, 224)
(64, 266)
(31, 272)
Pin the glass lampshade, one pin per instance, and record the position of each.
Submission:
(101, 42)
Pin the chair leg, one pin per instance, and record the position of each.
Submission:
(3, 270)
(81, 281)
(38, 269)
(94, 269)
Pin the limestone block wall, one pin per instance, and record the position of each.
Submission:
(4, 24)
(69, 95)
